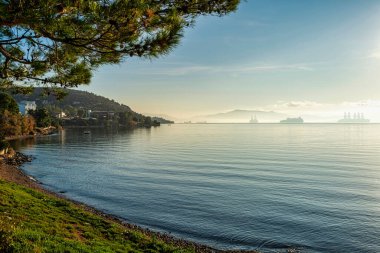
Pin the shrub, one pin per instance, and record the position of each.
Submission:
(3, 144)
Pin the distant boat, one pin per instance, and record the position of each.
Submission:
(357, 118)
(298, 120)
(253, 120)
(87, 132)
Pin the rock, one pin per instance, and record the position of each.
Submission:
(18, 159)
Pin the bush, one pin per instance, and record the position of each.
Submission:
(7, 102)
(15, 124)
(42, 117)
(4, 144)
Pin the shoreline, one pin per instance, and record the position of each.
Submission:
(41, 132)
(14, 174)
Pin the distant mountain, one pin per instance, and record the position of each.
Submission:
(241, 116)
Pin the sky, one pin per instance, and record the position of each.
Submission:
(300, 57)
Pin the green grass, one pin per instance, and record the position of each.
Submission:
(31, 221)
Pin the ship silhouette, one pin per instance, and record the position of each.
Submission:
(298, 120)
(356, 118)
(253, 120)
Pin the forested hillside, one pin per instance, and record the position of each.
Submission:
(77, 99)
(77, 102)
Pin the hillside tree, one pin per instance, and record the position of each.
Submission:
(8, 103)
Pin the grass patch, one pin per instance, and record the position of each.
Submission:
(31, 221)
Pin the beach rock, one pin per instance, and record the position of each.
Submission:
(17, 159)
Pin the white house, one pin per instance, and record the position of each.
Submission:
(25, 106)
(61, 115)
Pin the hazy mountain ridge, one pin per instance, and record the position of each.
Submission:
(241, 116)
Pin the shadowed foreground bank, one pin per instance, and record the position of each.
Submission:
(33, 219)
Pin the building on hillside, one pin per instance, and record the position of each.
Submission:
(101, 114)
(25, 106)
(60, 115)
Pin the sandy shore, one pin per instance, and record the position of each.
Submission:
(14, 174)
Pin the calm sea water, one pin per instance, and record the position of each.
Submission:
(266, 186)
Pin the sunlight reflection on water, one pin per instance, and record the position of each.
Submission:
(267, 186)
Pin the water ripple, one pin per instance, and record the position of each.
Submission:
(269, 187)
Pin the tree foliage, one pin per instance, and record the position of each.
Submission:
(14, 124)
(60, 42)
(42, 117)
(7, 102)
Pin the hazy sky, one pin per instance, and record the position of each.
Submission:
(285, 55)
